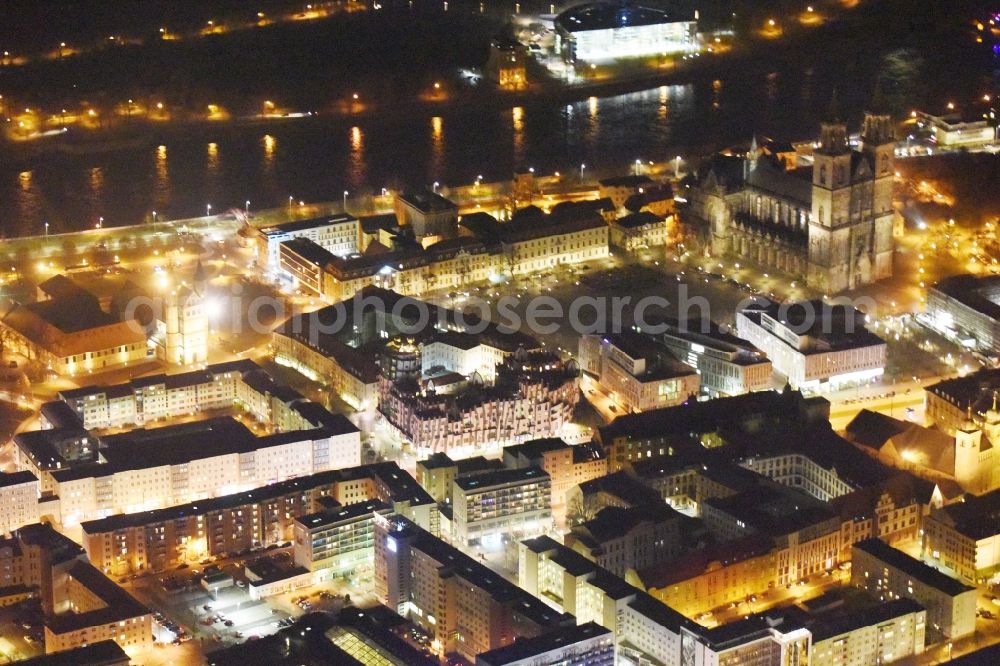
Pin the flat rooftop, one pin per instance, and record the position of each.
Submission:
(836, 327)
(502, 477)
(309, 250)
(428, 202)
(927, 575)
(347, 513)
(304, 225)
(526, 648)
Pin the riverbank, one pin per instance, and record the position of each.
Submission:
(134, 133)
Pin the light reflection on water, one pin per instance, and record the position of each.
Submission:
(317, 160)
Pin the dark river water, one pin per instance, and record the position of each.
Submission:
(317, 160)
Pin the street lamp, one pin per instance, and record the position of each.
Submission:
(208, 209)
(677, 167)
(100, 223)
(638, 165)
(154, 217)
(290, 199)
(582, 167)
(247, 207)
(345, 201)
(436, 186)
(46, 229)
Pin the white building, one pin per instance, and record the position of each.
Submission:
(608, 30)
(888, 573)
(636, 371)
(150, 469)
(337, 541)
(954, 131)
(338, 234)
(814, 343)
(728, 365)
(18, 500)
(92, 476)
(511, 502)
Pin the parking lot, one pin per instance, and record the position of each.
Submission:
(217, 616)
(21, 631)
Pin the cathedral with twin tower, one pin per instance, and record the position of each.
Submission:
(829, 223)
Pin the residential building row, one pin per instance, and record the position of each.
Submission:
(461, 603)
(426, 247)
(854, 629)
(223, 526)
(80, 604)
(890, 574)
(142, 469)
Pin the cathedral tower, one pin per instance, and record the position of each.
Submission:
(878, 145)
(830, 224)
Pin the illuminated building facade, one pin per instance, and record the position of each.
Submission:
(69, 332)
(95, 475)
(338, 234)
(830, 224)
(599, 31)
(966, 308)
(813, 343)
(165, 538)
(337, 540)
(510, 502)
(533, 396)
(636, 371)
(464, 605)
(889, 574)
(567, 466)
(965, 536)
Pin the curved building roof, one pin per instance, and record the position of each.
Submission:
(609, 15)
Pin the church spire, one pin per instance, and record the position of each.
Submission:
(200, 278)
(833, 112)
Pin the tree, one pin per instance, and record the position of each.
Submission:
(582, 508)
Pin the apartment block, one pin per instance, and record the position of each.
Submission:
(165, 538)
(19, 493)
(437, 473)
(96, 610)
(567, 466)
(460, 602)
(510, 502)
(338, 539)
(888, 573)
(880, 633)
